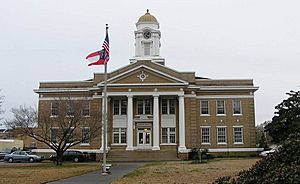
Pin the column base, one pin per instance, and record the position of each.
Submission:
(129, 148)
(182, 149)
(107, 149)
(155, 148)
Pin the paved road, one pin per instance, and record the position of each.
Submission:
(117, 170)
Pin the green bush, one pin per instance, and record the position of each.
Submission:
(283, 167)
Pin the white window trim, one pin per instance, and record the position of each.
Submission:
(89, 110)
(120, 136)
(217, 108)
(120, 107)
(168, 136)
(206, 143)
(233, 132)
(241, 109)
(52, 116)
(207, 107)
(144, 106)
(168, 106)
(85, 144)
(222, 143)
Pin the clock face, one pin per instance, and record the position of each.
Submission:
(147, 34)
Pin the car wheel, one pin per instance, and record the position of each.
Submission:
(10, 160)
(31, 160)
(76, 159)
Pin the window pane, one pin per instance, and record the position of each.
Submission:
(222, 135)
(147, 106)
(171, 106)
(164, 136)
(123, 107)
(204, 107)
(116, 107)
(86, 109)
(123, 135)
(205, 135)
(85, 135)
(238, 134)
(140, 106)
(164, 106)
(220, 107)
(53, 134)
(54, 108)
(237, 107)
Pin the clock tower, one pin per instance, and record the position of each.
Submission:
(147, 40)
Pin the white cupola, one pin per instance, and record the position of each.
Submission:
(147, 40)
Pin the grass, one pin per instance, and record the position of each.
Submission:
(43, 172)
(185, 172)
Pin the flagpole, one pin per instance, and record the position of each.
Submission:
(105, 115)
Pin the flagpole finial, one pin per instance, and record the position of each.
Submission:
(106, 26)
(147, 10)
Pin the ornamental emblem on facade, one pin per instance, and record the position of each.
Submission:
(142, 76)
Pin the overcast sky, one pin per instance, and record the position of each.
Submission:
(233, 39)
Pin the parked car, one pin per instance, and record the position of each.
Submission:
(22, 156)
(72, 155)
(269, 152)
(2, 154)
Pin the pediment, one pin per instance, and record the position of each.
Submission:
(144, 75)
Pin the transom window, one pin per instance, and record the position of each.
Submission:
(120, 107)
(119, 135)
(204, 109)
(237, 107)
(221, 133)
(144, 106)
(168, 106)
(205, 135)
(220, 107)
(238, 134)
(85, 135)
(168, 135)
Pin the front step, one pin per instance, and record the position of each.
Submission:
(142, 155)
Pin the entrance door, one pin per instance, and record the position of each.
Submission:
(144, 137)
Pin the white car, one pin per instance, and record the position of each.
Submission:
(269, 152)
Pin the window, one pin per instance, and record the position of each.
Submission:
(205, 135)
(238, 134)
(147, 49)
(69, 135)
(144, 106)
(168, 135)
(85, 135)
(119, 135)
(54, 109)
(53, 135)
(70, 110)
(220, 107)
(237, 107)
(221, 133)
(168, 106)
(204, 107)
(86, 109)
(120, 107)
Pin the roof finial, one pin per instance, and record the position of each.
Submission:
(147, 10)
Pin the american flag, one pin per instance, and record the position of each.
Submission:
(106, 46)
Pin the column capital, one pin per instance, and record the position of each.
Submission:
(181, 95)
(155, 95)
(129, 96)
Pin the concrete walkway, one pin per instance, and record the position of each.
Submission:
(117, 170)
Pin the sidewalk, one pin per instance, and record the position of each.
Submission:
(117, 170)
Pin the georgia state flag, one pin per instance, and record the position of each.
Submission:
(97, 58)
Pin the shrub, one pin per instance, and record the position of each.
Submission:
(280, 168)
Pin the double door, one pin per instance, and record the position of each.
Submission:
(144, 137)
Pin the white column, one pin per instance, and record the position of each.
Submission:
(155, 123)
(181, 147)
(102, 129)
(129, 123)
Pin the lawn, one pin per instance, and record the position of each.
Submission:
(27, 173)
(185, 172)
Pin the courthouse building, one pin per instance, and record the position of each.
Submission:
(154, 110)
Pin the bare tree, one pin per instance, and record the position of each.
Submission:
(60, 127)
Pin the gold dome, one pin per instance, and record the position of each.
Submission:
(147, 18)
